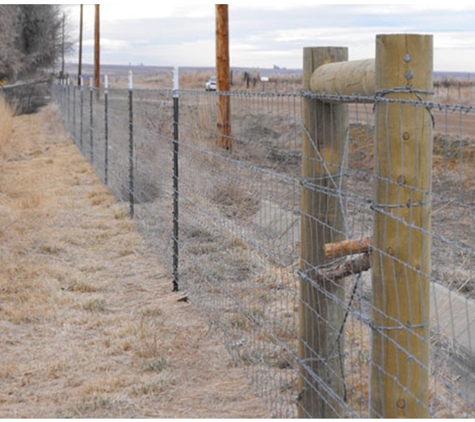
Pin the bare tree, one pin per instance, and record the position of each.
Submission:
(9, 60)
(31, 38)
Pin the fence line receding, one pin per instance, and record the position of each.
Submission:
(337, 269)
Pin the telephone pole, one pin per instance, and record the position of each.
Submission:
(97, 73)
(80, 44)
(222, 76)
(62, 47)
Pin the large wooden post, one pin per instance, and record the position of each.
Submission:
(401, 245)
(222, 76)
(321, 316)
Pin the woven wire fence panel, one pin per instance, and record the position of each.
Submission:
(240, 213)
(240, 231)
(153, 171)
(127, 137)
(453, 245)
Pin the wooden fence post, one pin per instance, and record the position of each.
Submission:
(401, 244)
(321, 316)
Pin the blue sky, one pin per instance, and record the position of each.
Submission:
(265, 34)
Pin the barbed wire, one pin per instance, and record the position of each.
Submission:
(239, 237)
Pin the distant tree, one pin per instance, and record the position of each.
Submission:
(31, 38)
(9, 59)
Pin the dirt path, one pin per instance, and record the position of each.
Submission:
(89, 325)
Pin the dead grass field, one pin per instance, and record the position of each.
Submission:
(90, 327)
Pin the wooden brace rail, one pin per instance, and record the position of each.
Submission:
(356, 77)
(347, 247)
(349, 267)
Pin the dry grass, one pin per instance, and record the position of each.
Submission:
(89, 325)
(6, 126)
(453, 90)
(453, 156)
(233, 267)
(235, 201)
(196, 79)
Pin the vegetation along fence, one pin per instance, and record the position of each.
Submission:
(26, 96)
(329, 239)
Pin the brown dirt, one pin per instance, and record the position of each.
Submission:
(90, 327)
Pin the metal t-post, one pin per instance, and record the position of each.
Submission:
(81, 112)
(175, 181)
(131, 146)
(106, 129)
(91, 121)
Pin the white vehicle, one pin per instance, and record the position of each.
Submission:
(211, 84)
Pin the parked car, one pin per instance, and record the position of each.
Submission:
(211, 84)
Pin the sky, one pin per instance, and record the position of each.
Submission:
(264, 34)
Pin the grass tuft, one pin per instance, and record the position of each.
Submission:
(6, 128)
(95, 305)
(81, 287)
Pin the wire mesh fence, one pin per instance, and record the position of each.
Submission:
(27, 96)
(339, 319)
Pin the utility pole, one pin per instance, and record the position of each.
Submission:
(97, 81)
(222, 76)
(62, 47)
(80, 44)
